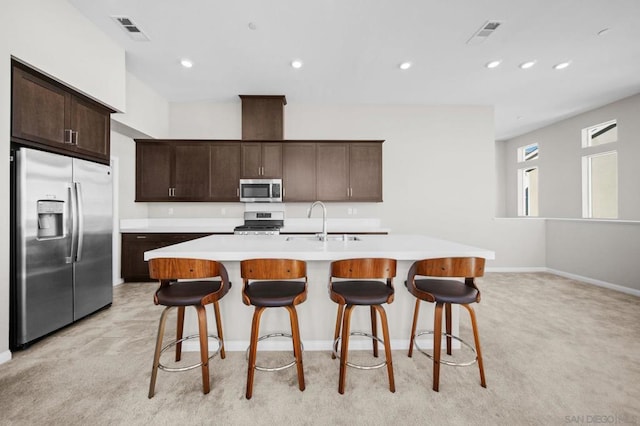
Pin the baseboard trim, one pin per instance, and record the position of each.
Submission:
(5, 357)
(517, 269)
(599, 283)
(586, 280)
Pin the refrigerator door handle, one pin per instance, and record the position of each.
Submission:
(74, 225)
(80, 216)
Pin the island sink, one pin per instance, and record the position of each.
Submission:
(320, 237)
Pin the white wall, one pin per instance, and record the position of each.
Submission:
(439, 170)
(606, 252)
(147, 113)
(560, 162)
(53, 37)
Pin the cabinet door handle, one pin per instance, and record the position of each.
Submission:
(74, 140)
(284, 192)
(141, 237)
(238, 192)
(169, 192)
(68, 136)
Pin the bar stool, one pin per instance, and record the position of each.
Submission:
(273, 283)
(174, 293)
(358, 282)
(443, 291)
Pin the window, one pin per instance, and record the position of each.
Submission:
(600, 171)
(600, 134)
(528, 191)
(600, 185)
(527, 153)
(528, 181)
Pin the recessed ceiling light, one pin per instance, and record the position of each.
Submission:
(296, 63)
(186, 63)
(527, 65)
(405, 65)
(561, 65)
(493, 64)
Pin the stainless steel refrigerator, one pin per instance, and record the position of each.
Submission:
(62, 242)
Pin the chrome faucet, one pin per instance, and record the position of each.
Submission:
(323, 236)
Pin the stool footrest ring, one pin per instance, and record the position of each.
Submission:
(189, 367)
(281, 367)
(455, 364)
(359, 366)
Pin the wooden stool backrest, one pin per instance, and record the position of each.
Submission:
(272, 269)
(461, 267)
(364, 268)
(170, 268)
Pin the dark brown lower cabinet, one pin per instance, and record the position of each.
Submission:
(134, 267)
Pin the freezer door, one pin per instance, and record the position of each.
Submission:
(93, 285)
(44, 273)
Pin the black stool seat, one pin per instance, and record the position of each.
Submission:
(186, 293)
(448, 291)
(274, 294)
(363, 292)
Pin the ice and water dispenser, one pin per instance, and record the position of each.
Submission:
(50, 219)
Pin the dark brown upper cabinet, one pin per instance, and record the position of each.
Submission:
(225, 171)
(46, 114)
(349, 171)
(172, 171)
(261, 159)
(263, 117)
(210, 170)
(299, 171)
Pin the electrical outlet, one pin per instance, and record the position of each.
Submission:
(170, 211)
(349, 211)
(223, 211)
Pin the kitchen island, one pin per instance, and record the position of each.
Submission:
(317, 314)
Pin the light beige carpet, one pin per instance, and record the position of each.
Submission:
(556, 352)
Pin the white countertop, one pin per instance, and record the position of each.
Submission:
(236, 248)
(226, 225)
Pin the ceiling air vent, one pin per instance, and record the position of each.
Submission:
(130, 28)
(484, 32)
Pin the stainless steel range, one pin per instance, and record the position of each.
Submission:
(260, 223)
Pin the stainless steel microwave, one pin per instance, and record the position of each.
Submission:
(261, 190)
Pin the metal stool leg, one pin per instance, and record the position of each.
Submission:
(156, 356)
(297, 345)
(476, 337)
(413, 328)
(253, 347)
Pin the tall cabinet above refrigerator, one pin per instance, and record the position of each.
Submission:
(61, 243)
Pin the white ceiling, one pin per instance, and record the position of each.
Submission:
(351, 50)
